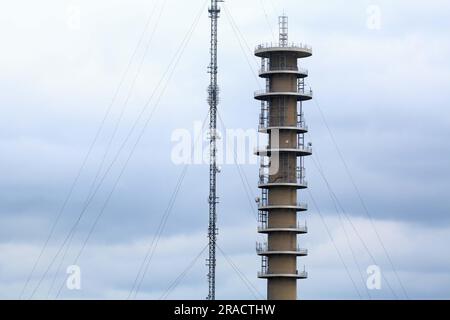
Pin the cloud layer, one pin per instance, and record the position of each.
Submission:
(384, 94)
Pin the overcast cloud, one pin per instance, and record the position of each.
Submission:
(384, 93)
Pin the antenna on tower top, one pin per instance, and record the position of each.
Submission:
(283, 25)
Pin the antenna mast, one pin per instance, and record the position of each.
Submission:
(213, 100)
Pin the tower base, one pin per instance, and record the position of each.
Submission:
(282, 289)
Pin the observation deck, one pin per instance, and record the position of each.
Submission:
(296, 275)
(300, 206)
(264, 250)
(300, 50)
(299, 229)
(268, 71)
(301, 127)
(266, 183)
(299, 94)
(301, 151)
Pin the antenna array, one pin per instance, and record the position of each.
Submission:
(213, 101)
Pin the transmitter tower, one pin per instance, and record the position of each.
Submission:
(282, 170)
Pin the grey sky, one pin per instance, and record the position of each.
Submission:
(385, 95)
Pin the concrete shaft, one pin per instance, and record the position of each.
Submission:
(283, 113)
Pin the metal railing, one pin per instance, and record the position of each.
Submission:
(284, 177)
(261, 248)
(300, 205)
(305, 91)
(264, 123)
(301, 274)
(300, 227)
(303, 148)
(302, 91)
(269, 45)
(269, 68)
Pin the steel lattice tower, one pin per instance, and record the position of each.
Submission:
(213, 100)
(282, 171)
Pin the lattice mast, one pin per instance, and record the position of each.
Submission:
(213, 101)
(282, 171)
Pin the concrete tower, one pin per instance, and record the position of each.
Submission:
(282, 171)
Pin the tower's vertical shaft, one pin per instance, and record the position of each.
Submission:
(213, 100)
(282, 171)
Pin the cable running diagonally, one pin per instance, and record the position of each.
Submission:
(255, 292)
(361, 200)
(366, 247)
(88, 154)
(341, 222)
(143, 269)
(269, 25)
(166, 77)
(115, 130)
(347, 270)
(173, 285)
(169, 76)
